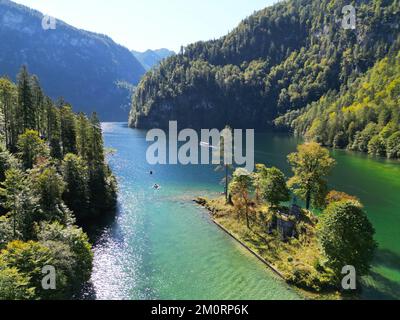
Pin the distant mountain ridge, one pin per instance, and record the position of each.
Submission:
(151, 58)
(83, 67)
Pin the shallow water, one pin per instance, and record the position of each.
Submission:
(161, 246)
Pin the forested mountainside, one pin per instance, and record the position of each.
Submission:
(365, 117)
(53, 175)
(151, 58)
(278, 60)
(83, 67)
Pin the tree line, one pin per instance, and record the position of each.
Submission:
(53, 175)
(279, 59)
(364, 118)
(343, 231)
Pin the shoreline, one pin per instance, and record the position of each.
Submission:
(268, 264)
(302, 292)
(274, 270)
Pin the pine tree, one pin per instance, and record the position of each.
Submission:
(8, 105)
(68, 130)
(54, 130)
(25, 101)
(96, 149)
(38, 104)
(76, 195)
(83, 142)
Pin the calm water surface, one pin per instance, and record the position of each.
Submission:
(161, 246)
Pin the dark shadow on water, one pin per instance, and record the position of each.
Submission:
(87, 293)
(388, 259)
(378, 286)
(95, 228)
(387, 290)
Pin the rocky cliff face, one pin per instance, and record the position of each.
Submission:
(82, 66)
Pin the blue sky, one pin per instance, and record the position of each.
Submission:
(152, 24)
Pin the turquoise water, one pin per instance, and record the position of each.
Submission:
(161, 246)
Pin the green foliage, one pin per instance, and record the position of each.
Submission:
(56, 131)
(28, 258)
(6, 232)
(48, 186)
(363, 117)
(279, 59)
(76, 196)
(8, 107)
(313, 258)
(14, 285)
(79, 265)
(310, 164)
(65, 249)
(23, 206)
(62, 168)
(393, 146)
(68, 130)
(30, 147)
(240, 189)
(25, 99)
(271, 185)
(102, 188)
(95, 154)
(346, 236)
(337, 196)
(7, 161)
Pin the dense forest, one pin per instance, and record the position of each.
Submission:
(279, 60)
(53, 175)
(366, 117)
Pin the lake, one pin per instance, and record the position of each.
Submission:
(162, 246)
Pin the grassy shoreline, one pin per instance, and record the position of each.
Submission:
(282, 258)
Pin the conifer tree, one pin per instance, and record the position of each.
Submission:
(68, 130)
(25, 102)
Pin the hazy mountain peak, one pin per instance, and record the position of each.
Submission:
(82, 66)
(150, 58)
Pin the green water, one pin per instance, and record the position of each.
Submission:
(161, 246)
(377, 184)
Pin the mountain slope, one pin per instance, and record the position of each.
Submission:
(281, 58)
(150, 58)
(81, 66)
(364, 118)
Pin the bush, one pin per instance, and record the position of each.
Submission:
(337, 196)
(14, 285)
(28, 258)
(78, 244)
(346, 237)
(307, 277)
